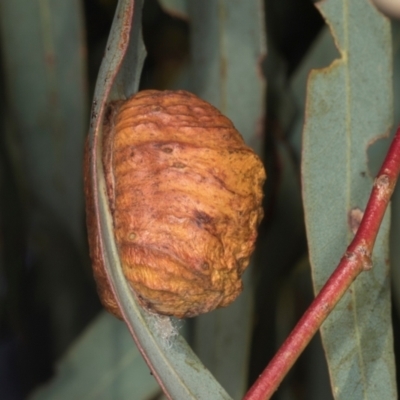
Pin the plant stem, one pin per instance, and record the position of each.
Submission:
(356, 259)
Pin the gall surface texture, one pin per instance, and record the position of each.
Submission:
(185, 194)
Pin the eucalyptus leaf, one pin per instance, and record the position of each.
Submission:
(227, 48)
(47, 103)
(349, 105)
(102, 364)
(46, 113)
(321, 54)
(176, 368)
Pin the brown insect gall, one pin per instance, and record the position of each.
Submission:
(185, 195)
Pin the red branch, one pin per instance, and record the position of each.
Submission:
(356, 259)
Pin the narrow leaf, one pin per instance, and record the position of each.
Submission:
(173, 363)
(45, 68)
(349, 105)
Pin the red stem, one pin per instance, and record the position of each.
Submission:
(355, 260)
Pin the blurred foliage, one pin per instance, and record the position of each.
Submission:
(47, 295)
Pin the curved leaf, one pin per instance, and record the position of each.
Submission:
(173, 363)
(349, 104)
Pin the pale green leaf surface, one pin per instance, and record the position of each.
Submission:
(321, 54)
(175, 366)
(349, 105)
(102, 364)
(228, 46)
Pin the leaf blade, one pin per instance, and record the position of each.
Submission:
(176, 368)
(342, 119)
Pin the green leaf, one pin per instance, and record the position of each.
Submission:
(349, 105)
(102, 364)
(44, 69)
(321, 54)
(227, 48)
(175, 366)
